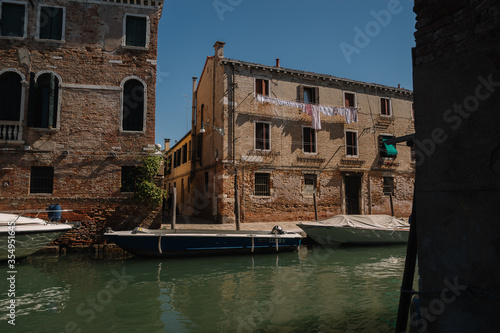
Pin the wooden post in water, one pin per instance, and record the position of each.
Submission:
(174, 201)
(392, 204)
(315, 207)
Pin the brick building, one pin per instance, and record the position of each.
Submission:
(77, 106)
(279, 154)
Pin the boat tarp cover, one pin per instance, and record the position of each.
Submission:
(363, 221)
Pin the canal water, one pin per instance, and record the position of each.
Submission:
(352, 289)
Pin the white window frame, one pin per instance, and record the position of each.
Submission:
(355, 98)
(122, 85)
(25, 3)
(357, 142)
(390, 107)
(148, 32)
(59, 101)
(255, 85)
(255, 135)
(315, 141)
(63, 32)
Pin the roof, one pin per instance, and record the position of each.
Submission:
(316, 76)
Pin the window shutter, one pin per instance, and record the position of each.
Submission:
(57, 23)
(300, 90)
(12, 20)
(32, 98)
(135, 31)
(316, 95)
(258, 86)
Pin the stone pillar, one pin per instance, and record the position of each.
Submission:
(457, 122)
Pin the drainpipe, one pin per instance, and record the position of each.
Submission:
(236, 194)
(194, 142)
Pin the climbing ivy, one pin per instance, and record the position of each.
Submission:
(146, 187)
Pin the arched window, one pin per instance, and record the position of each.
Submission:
(10, 96)
(133, 105)
(44, 99)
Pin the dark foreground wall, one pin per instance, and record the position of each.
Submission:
(457, 107)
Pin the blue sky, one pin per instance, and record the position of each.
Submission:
(365, 40)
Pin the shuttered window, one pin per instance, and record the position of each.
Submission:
(385, 106)
(262, 136)
(51, 23)
(309, 140)
(351, 143)
(262, 87)
(42, 179)
(44, 101)
(309, 95)
(135, 34)
(13, 16)
(133, 106)
(10, 96)
(349, 100)
(386, 150)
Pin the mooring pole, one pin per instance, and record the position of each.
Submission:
(409, 272)
(315, 207)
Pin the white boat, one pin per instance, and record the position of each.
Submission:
(357, 229)
(21, 236)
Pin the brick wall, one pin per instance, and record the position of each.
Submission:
(88, 148)
(233, 87)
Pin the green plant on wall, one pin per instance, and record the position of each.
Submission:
(146, 187)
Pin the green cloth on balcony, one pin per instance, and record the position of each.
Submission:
(391, 149)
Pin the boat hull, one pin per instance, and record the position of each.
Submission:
(333, 236)
(182, 243)
(28, 239)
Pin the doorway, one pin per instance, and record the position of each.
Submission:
(352, 194)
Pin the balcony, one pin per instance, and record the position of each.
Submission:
(11, 131)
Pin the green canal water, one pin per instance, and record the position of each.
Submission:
(353, 289)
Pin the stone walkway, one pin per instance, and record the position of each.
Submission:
(196, 223)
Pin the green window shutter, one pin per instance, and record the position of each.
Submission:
(51, 23)
(135, 31)
(12, 20)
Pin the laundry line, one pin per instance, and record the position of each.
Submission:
(314, 110)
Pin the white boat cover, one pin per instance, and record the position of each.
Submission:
(362, 221)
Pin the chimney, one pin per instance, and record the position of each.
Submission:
(399, 85)
(277, 62)
(167, 144)
(219, 49)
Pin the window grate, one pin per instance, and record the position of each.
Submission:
(129, 177)
(262, 184)
(42, 180)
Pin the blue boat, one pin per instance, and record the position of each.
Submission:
(184, 243)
